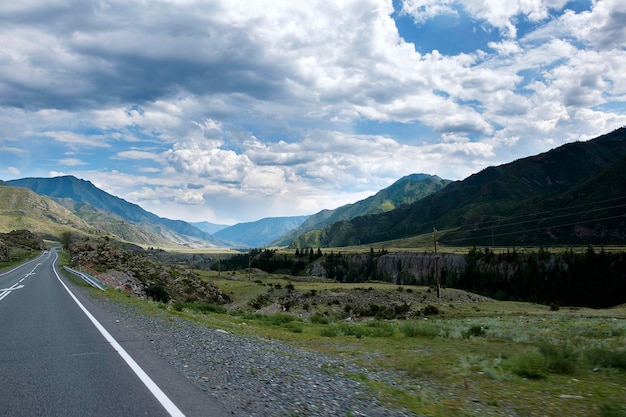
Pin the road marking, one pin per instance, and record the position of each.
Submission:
(169, 406)
(6, 291)
(24, 264)
(13, 288)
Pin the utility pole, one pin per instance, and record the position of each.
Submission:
(436, 264)
(250, 266)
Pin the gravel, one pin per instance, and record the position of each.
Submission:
(257, 377)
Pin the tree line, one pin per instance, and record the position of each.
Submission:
(591, 278)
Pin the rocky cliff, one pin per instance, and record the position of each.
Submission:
(398, 268)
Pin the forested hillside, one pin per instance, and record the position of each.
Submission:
(572, 195)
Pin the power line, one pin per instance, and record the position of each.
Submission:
(559, 209)
(535, 229)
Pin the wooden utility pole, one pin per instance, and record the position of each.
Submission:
(250, 266)
(436, 264)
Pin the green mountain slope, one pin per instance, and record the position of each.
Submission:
(21, 208)
(404, 191)
(81, 191)
(573, 194)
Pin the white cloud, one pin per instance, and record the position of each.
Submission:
(71, 162)
(266, 106)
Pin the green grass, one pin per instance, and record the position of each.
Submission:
(473, 359)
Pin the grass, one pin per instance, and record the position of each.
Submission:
(473, 359)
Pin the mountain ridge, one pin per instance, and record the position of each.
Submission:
(83, 191)
(479, 207)
(403, 191)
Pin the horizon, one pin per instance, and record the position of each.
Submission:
(208, 110)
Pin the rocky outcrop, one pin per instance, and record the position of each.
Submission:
(419, 266)
(23, 239)
(4, 252)
(133, 270)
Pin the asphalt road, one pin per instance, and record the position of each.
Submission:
(60, 355)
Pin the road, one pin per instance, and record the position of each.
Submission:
(60, 355)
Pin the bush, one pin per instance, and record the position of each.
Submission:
(158, 293)
(476, 331)
(317, 318)
(279, 319)
(431, 310)
(259, 302)
(201, 307)
(607, 358)
(425, 330)
(561, 360)
(532, 365)
(329, 331)
(612, 410)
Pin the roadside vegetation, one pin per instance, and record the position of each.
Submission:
(463, 355)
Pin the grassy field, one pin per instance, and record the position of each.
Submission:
(476, 357)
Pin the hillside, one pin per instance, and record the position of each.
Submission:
(261, 232)
(81, 191)
(574, 194)
(406, 190)
(21, 208)
(209, 227)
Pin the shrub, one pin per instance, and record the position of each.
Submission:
(280, 319)
(476, 331)
(561, 360)
(329, 331)
(607, 358)
(431, 310)
(425, 330)
(204, 307)
(317, 318)
(295, 327)
(612, 409)
(259, 302)
(158, 293)
(532, 365)
(380, 329)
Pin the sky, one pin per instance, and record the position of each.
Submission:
(231, 111)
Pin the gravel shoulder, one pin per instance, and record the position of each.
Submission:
(252, 376)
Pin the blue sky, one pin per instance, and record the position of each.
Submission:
(233, 111)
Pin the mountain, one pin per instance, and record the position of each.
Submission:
(261, 232)
(209, 227)
(573, 194)
(23, 209)
(404, 191)
(84, 192)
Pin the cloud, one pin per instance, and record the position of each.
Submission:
(256, 108)
(71, 162)
(498, 14)
(137, 154)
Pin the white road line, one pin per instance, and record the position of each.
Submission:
(148, 382)
(24, 264)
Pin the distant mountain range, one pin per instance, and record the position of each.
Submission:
(94, 211)
(572, 195)
(261, 232)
